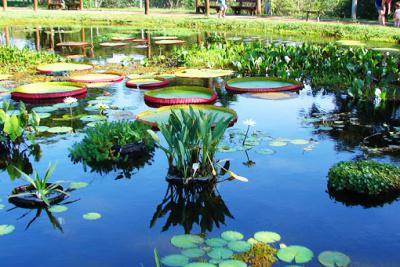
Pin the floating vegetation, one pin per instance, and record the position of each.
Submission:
(180, 95)
(261, 85)
(60, 129)
(63, 67)
(175, 260)
(260, 254)
(146, 83)
(297, 254)
(267, 237)
(186, 241)
(106, 77)
(77, 185)
(333, 259)
(169, 42)
(114, 44)
(58, 208)
(91, 216)
(48, 90)
(73, 44)
(203, 73)
(6, 229)
(232, 236)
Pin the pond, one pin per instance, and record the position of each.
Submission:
(299, 136)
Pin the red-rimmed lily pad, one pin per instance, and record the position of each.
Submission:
(147, 83)
(122, 39)
(169, 42)
(165, 38)
(76, 56)
(106, 77)
(63, 67)
(161, 115)
(48, 90)
(180, 95)
(140, 40)
(72, 44)
(261, 85)
(113, 44)
(203, 73)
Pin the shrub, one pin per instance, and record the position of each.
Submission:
(364, 177)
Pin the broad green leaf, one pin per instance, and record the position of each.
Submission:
(91, 216)
(333, 259)
(6, 229)
(175, 260)
(232, 236)
(298, 254)
(267, 237)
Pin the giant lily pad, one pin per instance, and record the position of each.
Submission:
(122, 39)
(169, 42)
(267, 237)
(239, 246)
(72, 44)
(232, 236)
(91, 118)
(220, 253)
(186, 241)
(6, 229)
(333, 259)
(48, 90)
(203, 73)
(261, 85)
(180, 95)
(298, 254)
(105, 77)
(175, 260)
(232, 263)
(165, 38)
(63, 67)
(147, 83)
(193, 252)
(161, 115)
(113, 44)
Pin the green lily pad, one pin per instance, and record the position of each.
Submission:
(68, 117)
(325, 128)
(42, 129)
(60, 129)
(193, 252)
(220, 253)
(215, 261)
(200, 264)
(64, 106)
(91, 118)
(186, 241)
(239, 246)
(58, 208)
(216, 242)
(92, 124)
(299, 142)
(45, 109)
(100, 101)
(91, 216)
(43, 115)
(298, 254)
(6, 229)
(175, 260)
(333, 259)
(232, 236)
(278, 143)
(252, 241)
(311, 120)
(2, 206)
(265, 151)
(78, 185)
(267, 237)
(232, 263)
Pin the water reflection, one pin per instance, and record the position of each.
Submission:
(200, 205)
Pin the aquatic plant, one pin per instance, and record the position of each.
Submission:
(260, 254)
(364, 177)
(105, 141)
(192, 138)
(41, 188)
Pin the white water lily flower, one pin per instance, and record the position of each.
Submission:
(249, 122)
(287, 59)
(378, 93)
(70, 100)
(195, 167)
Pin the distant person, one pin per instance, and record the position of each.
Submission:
(222, 8)
(383, 7)
(397, 15)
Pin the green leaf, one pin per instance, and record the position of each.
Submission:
(220, 253)
(58, 209)
(232, 235)
(216, 242)
(175, 260)
(298, 254)
(193, 252)
(239, 246)
(333, 259)
(6, 229)
(91, 216)
(232, 263)
(78, 185)
(186, 241)
(267, 237)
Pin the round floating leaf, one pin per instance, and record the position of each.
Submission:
(239, 246)
(232, 236)
(175, 260)
(203, 73)
(62, 67)
(60, 129)
(43, 115)
(63, 105)
(58, 208)
(220, 253)
(298, 254)
(92, 124)
(105, 77)
(186, 241)
(77, 185)
(115, 44)
(299, 142)
(265, 151)
(232, 263)
(278, 143)
(2, 206)
(333, 259)
(215, 261)
(6, 229)
(267, 237)
(91, 118)
(261, 85)
(169, 42)
(42, 129)
(200, 264)
(45, 109)
(216, 242)
(100, 101)
(325, 128)
(91, 216)
(193, 252)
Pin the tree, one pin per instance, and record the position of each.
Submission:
(354, 9)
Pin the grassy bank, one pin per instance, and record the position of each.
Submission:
(299, 29)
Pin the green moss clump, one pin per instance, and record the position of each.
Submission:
(260, 255)
(364, 177)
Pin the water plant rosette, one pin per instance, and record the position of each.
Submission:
(180, 95)
(261, 85)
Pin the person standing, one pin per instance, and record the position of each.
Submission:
(383, 7)
(397, 15)
(222, 8)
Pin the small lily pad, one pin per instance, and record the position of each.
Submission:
(43, 115)
(232, 236)
(60, 129)
(200, 264)
(267, 237)
(278, 143)
(45, 109)
(333, 259)
(175, 260)
(216, 242)
(299, 142)
(91, 118)
(58, 208)
(42, 129)
(78, 185)
(298, 254)
(2, 206)
(220, 253)
(91, 216)
(64, 106)
(186, 241)
(232, 263)
(265, 151)
(6, 229)
(239, 246)
(193, 252)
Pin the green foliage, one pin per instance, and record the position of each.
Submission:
(364, 177)
(192, 138)
(103, 141)
(13, 59)
(320, 63)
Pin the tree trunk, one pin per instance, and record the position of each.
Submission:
(354, 9)
(147, 7)
(35, 5)
(5, 5)
(207, 8)
(258, 8)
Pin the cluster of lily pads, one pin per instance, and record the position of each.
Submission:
(230, 249)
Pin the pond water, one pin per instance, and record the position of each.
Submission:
(286, 192)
